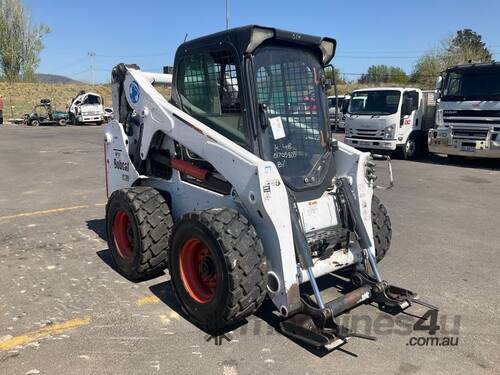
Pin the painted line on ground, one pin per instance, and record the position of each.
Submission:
(50, 211)
(147, 300)
(52, 329)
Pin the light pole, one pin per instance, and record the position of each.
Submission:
(227, 14)
(91, 55)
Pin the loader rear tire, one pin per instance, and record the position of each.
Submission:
(382, 229)
(217, 268)
(139, 226)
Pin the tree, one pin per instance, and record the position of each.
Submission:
(20, 41)
(384, 74)
(466, 46)
(339, 77)
(427, 69)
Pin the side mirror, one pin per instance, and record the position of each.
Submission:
(439, 83)
(407, 107)
(345, 105)
(329, 77)
(328, 84)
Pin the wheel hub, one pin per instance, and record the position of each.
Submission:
(198, 270)
(123, 234)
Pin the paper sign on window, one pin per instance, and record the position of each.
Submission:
(277, 127)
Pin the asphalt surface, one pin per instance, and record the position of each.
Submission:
(65, 310)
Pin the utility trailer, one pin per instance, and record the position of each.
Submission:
(390, 119)
(237, 187)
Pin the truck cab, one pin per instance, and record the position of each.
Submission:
(390, 119)
(336, 118)
(87, 107)
(468, 112)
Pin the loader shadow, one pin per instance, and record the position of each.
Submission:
(329, 281)
(267, 314)
(98, 226)
(106, 258)
(165, 294)
(243, 329)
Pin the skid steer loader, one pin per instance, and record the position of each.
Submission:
(237, 186)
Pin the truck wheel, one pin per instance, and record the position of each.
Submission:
(61, 122)
(217, 267)
(382, 230)
(35, 123)
(139, 226)
(410, 149)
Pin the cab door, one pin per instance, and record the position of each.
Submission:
(209, 89)
(410, 111)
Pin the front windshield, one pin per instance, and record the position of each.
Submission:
(92, 99)
(383, 102)
(332, 102)
(481, 84)
(289, 84)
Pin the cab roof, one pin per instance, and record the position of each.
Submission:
(473, 66)
(401, 89)
(247, 39)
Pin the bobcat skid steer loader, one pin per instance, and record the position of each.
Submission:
(237, 187)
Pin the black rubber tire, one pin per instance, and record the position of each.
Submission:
(35, 123)
(410, 149)
(62, 122)
(151, 225)
(382, 229)
(239, 261)
(72, 119)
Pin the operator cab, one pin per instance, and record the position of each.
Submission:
(264, 89)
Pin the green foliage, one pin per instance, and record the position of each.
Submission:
(339, 77)
(466, 46)
(20, 42)
(427, 69)
(384, 74)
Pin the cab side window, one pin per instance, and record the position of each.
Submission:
(413, 95)
(209, 90)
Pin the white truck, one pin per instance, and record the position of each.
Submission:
(336, 117)
(468, 112)
(86, 107)
(390, 119)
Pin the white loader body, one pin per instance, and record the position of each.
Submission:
(258, 189)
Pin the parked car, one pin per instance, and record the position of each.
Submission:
(108, 114)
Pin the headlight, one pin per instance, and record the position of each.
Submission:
(439, 117)
(389, 132)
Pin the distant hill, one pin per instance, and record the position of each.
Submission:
(53, 78)
(20, 97)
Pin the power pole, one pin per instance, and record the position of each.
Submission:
(92, 55)
(227, 14)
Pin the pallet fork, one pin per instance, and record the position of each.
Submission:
(315, 324)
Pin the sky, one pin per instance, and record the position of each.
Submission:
(148, 32)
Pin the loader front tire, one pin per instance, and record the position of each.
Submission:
(382, 229)
(217, 268)
(139, 226)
